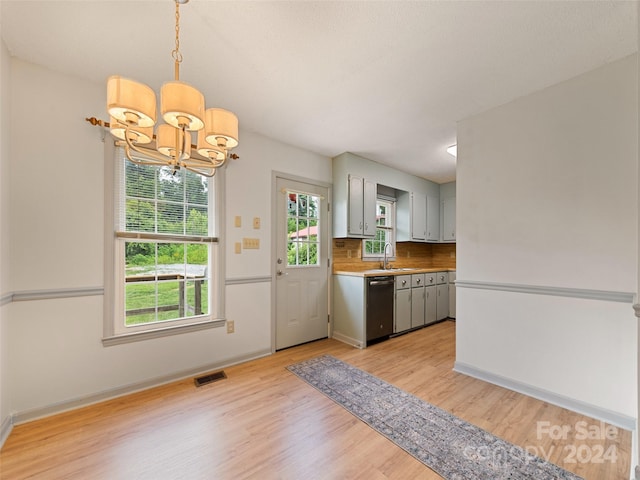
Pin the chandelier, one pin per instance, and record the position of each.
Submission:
(132, 109)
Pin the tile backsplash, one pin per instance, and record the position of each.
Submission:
(347, 255)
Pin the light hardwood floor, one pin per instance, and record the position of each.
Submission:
(263, 422)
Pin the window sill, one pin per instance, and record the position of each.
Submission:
(161, 332)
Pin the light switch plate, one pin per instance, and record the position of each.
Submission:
(238, 221)
(251, 243)
(238, 247)
(256, 222)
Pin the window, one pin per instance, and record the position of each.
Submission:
(302, 229)
(165, 254)
(385, 231)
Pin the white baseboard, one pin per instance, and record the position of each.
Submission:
(346, 339)
(598, 413)
(41, 412)
(5, 429)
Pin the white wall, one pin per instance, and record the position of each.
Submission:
(547, 191)
(5, 277)
(57, 230)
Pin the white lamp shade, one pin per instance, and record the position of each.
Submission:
(166, 138)
(180, 102)
(221, 125)
(131, 102)
(138, 135)
(210, 151)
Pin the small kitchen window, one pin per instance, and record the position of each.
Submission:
(373, 249)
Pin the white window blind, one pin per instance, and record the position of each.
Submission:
(165, 247)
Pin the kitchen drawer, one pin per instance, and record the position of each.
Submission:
(430, 279)
(417, 280)
(442, 277)
(403, 281)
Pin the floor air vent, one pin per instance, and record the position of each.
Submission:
(209, 378)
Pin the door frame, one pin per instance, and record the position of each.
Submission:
(274, 239)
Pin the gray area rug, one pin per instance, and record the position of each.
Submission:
(452, 447)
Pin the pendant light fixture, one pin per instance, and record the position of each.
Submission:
(132, 109)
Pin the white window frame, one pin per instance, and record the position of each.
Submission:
(115, 332)
(391, 255)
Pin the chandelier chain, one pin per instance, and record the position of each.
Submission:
(177, 56)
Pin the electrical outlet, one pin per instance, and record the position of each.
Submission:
(238, 247)
(231, 326)
(256, 223)
(238, 221)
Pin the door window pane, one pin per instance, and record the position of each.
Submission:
(303, 228)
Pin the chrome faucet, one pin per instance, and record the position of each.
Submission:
(385, 263)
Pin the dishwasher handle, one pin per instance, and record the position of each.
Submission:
(381, 282)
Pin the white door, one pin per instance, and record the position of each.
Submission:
(302, 266)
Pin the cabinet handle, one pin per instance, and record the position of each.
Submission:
(418, 281)
(404, 282)
(360, 225)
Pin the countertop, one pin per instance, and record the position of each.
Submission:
(394, 271)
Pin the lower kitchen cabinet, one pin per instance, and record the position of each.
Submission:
(349, 310)
(417, 300)
(430, 315)
(417, 307)
(442, 292)
(452, 294)
(402, 304)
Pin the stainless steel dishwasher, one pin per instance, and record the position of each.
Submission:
(379, 307)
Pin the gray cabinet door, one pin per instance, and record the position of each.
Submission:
(433, 219)
(403, 310)
(356, 196)
(442, 303)
(418, 217)
(369, 198)
(417, 307)
(431, 304)
(449, 220)
(362, 207)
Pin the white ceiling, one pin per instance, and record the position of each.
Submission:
(387, 80)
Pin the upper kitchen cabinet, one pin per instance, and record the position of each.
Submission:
(418, 217)
(357, 182)
(362, 207)
(411, 215)
(448, 220)
(433, 218)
